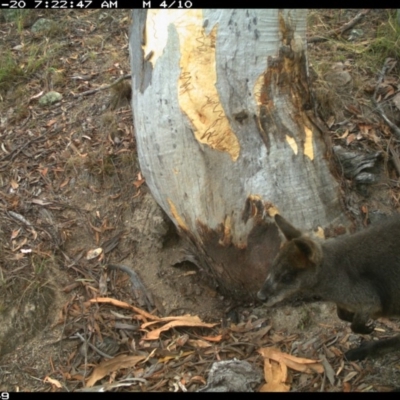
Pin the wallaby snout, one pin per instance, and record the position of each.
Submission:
(261, 295)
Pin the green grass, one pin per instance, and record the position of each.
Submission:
(10, 71)
(368, 53)
(387, 42)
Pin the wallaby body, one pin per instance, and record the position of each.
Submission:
(360, 273)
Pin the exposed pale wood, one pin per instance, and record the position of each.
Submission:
(221, 110)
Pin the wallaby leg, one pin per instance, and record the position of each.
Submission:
(359, 323)
(344, 315)
(374, 349)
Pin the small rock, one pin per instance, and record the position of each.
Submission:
(232, 376)
(42, 25)
(355, 34)
(338, 78)
(50, 98)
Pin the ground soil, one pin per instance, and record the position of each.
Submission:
(70, 183)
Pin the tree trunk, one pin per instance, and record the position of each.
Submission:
(226, 135)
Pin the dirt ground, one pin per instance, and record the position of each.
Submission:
(70, 186)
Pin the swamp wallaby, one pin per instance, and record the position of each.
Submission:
(360, 273)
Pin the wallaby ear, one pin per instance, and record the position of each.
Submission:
(310, 249)
(288, 230)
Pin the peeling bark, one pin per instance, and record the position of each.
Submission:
(225, 139)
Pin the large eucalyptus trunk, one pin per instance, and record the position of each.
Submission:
(226, 134)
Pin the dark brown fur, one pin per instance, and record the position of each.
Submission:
(360, 273)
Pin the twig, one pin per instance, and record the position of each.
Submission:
(93, 347)
(342, 29)
(388, 65)
(15, 152)
(395, 158)
(88, 92)
(142, 295)
(107, 387)
(20, 218)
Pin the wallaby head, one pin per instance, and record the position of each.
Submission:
(359, 272)
(295, 268)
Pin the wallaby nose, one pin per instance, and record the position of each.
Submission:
(261, 295)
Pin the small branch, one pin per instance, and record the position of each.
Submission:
(18, 150)
(342, 29)
(143, 296)
(388, 65)
(395, 158)
(93, 347)
(88, 92)
(20, 218)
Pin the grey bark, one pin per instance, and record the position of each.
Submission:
(226, 135)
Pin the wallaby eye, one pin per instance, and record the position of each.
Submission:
(288, 277)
